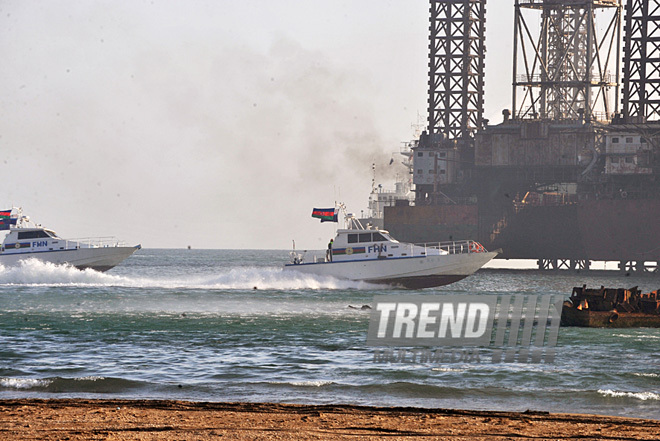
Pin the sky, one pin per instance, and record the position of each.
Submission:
(214, 124)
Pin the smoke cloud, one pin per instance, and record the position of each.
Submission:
(215, 125)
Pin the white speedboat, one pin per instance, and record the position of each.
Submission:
(26, 240)
(374, 256)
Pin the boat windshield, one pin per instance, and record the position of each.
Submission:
(388, 237)
(36, 234)
(370, 236)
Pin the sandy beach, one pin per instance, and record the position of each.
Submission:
(80, 419)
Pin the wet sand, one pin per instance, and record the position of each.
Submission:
(81, 419)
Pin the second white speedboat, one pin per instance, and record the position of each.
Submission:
(374, 256)
(26, 240)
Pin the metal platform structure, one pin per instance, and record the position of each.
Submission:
(566, 68)
(641, 55)
(572, 173)
(456, 67)
(457, 53)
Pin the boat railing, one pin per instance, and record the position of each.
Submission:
(453, 247)
(94, 242)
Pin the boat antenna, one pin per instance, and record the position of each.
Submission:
(350, 221)
(341, 213)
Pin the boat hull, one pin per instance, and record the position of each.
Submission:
(99, 259)
(407, 272)
(608, 319)
(420, 282)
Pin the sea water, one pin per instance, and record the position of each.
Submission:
(229, 325)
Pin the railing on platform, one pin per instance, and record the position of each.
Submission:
(453, 247)
(94, 242)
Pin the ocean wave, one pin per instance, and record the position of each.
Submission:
(92, 384)
(89, 378)
(317, 383)
(24, 383)
(447, 369)
(646, 374)
(637, 395)
(33, 272)
(637, 336)
(398, 388)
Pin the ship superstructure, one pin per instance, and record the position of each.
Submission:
(571, 174)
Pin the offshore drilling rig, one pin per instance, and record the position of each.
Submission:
(572, 172)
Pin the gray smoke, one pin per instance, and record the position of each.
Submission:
(179, 138)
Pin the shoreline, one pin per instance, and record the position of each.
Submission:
(82, 419)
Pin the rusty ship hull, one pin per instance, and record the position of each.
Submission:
(607, 230)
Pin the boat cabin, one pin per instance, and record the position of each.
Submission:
(352, 244)
(20, 240)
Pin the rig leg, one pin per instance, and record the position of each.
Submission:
(547, 264)
(564, 264)
(651, 267)
(579, 264)
(626, 266)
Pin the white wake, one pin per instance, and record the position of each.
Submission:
(34, 272)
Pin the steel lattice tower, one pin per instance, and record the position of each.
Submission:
(456, 67)
(641, 55)
(565, 69)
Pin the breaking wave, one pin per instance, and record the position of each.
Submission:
(637, 395)
(24, 383)
(311, 383)
(89, 384)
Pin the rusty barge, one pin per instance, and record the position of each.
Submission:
(611, 308)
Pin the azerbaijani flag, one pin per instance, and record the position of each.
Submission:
(6, 222)
(325, 214)
(4, 214)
